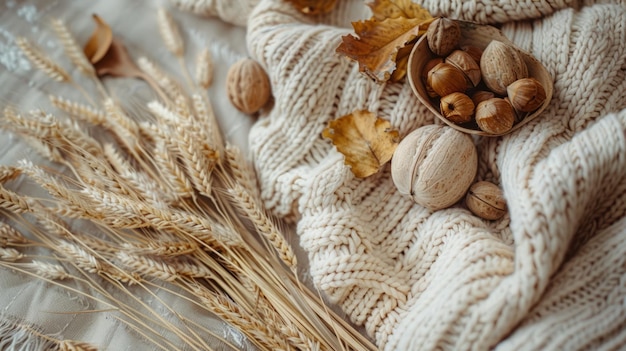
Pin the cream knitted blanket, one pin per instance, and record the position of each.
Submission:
(550, 275)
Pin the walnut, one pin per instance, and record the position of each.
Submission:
(248, 86)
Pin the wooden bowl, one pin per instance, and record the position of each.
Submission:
(479, 36)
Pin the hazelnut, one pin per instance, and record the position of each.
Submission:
(445, 79)
(526, 94)
(482, 95)
(443, 36)
(427, 67)
(463, 61)
(435, 165)
(475, 52)
(486, 200)
(247, 86)
(495, 116)
(457, 107)
(501, 65)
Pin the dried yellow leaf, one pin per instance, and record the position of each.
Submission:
(383, 9)
(366, 141)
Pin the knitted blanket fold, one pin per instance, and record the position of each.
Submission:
(550, 275)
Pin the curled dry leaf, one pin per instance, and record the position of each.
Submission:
(314, 7)
(100, 41)
(366, 141)
(384, 41)
(109, 56)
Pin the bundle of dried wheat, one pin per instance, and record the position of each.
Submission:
(169, 201)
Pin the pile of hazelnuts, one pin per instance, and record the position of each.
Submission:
(488, 89)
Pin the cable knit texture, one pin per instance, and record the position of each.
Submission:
(550, 275)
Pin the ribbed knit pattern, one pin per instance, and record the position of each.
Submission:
(550, 275)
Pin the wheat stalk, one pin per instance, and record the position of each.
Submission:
(43, 63)
(72, 50)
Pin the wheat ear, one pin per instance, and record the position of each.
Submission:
(206, 118)
(264, 225)
(8, 173)
(169, 86)
(145, 186)
(80, 257)
(169, 33)
(49, 270)
(10, 236)
(204, 69)
(148, 266)
(171, 172)
(73, 345)
(125, 129)
(241, 170)
(72, 50)
(198, 158)
(162, 248)
(40, 61)
(83, 112)
(256, 330)
(44, 149)
(13, 202)
(10, 255)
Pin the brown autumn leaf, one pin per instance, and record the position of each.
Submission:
(384, 41)
(366, 141)
(313, 7)
(108, 55)
(100, 41)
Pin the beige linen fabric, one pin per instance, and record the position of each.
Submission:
(550, 275)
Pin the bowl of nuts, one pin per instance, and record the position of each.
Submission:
(475, 80)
